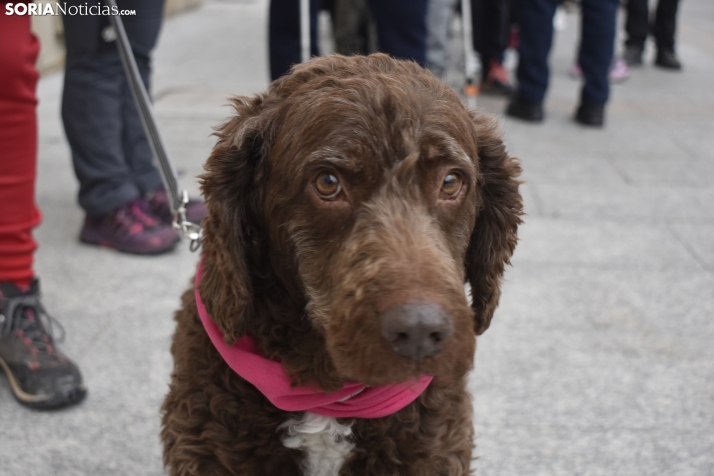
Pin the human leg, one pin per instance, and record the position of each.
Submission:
(490, 22)
(92, 115)
(665, 23)
(40, 376)
(535, 41)
(596, 50)
(18, 149)
(143, 31)
(352, 27)
(401, 28)
(110, 153)
(438, 19)
(284, 34)
(491, 18)
(637, 24)
(663, 30)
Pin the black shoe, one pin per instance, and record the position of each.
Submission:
(40, 376)
(525, 110)
(666, 58)
(633, 56)
(591, 115)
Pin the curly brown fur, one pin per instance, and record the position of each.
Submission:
(310, 278)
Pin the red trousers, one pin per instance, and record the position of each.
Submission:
(18, 148)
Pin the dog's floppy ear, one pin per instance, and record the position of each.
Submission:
(495, 231)
(233, 188)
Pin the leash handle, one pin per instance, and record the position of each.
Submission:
(178, 198)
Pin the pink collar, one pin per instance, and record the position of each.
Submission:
(353, 400)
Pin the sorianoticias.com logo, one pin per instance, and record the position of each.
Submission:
(57, 8)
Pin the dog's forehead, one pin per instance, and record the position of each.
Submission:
(353, 127)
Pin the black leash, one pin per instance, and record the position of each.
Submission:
(178, 197)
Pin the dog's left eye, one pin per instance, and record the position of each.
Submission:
(451, 186)
(327, 185)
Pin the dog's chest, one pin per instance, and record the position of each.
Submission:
(325, 441)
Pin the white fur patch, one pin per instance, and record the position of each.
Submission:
(324, 440)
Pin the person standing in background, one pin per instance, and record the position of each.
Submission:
(597, 42)
(120, 189)
(491, 31)
(401, 31)
(663, 28)
(491, 20)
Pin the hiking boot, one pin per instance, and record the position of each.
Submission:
(131, 229)
(40, 375)
(159, 205)
(497, 81)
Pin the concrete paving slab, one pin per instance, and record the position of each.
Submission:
(699, 239)
(570, 169)
(664, 169)
(615, 244)
(602, 452)
(664, 203)
(622, 352)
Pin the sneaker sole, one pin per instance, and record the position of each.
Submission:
(42, 402)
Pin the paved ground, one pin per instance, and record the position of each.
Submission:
(599, 360)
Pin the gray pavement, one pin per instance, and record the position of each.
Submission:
(599, 360)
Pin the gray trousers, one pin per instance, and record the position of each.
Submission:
(110, 153)
(438, 22)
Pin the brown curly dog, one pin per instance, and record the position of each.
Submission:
(348, 206)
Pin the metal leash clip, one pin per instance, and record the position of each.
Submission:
(188, 230)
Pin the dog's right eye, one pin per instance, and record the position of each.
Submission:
(327, 185)
(451, 186)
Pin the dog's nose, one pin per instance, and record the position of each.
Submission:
(416, 330)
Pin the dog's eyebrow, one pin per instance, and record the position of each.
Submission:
(454, 152)
(330, 157)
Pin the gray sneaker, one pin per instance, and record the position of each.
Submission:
(40, 376)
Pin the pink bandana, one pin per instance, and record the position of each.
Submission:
(353, 400)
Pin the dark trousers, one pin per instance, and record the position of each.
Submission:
(110, 153)
(491, 30)
(353, 28)
(401, 31)
(638, 27)
(284, 34)
(596, 48)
